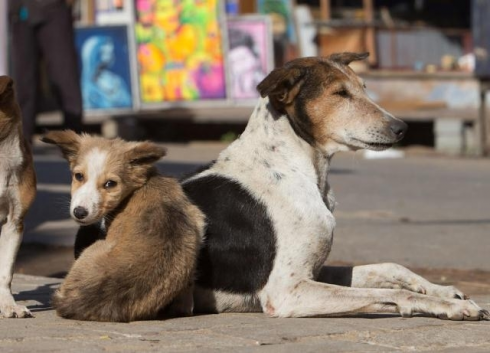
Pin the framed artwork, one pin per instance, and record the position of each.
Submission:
(114, 12)
(105, 67)
(281, 12)
(180, 52)
(250, 55)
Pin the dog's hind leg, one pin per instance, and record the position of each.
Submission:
(309, 298)
(10, 239)
(386, 275)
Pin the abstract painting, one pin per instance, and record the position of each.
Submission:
(179, 50)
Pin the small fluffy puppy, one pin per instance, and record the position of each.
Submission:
(152, 232)
(17, 192)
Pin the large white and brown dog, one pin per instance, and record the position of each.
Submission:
(269, 206)
(17, 192)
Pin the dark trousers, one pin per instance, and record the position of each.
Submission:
(52, 39)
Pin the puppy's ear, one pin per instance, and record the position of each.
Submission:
(141, 157)
(145, 153)
(346, 58)
(68, 142)
(282, 85)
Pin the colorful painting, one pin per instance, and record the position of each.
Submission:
(250, 54)
(105, 67)
(179, 50)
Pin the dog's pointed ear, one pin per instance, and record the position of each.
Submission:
(281, 85)
(68, 141)
(347, 57)
(141, 157)
(145, 153)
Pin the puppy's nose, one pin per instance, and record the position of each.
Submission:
(398, 128)
(80, 212)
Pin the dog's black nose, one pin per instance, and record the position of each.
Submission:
(80, 212)
(398, 128)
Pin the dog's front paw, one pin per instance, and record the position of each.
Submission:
(446, 292)
(9, 308)
(14, 311)
(464, 310)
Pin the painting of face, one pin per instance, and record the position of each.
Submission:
(105, 67)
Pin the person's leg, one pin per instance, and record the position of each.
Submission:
(25, 72)
(56, 39)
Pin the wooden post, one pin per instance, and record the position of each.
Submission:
(325, 10)
(368, 8)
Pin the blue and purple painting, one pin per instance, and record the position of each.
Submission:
(105, 67)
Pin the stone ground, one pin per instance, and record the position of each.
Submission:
(233, 332)
(429, 213)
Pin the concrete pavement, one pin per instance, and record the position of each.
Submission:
(233, 332)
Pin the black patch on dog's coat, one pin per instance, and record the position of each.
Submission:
(239, 245)
(86, 236)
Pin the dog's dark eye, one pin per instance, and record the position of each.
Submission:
(79, 176)
(109, 184)
(342, 93)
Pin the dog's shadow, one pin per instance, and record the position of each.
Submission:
(41, 295)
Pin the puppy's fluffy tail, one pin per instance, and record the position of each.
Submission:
(101, 287)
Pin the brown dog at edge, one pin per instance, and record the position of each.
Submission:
(17, 192)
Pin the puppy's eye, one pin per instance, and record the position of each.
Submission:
(79, 176)
(109, 184)
(342, 93)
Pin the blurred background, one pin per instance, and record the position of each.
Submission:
(184, 73)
